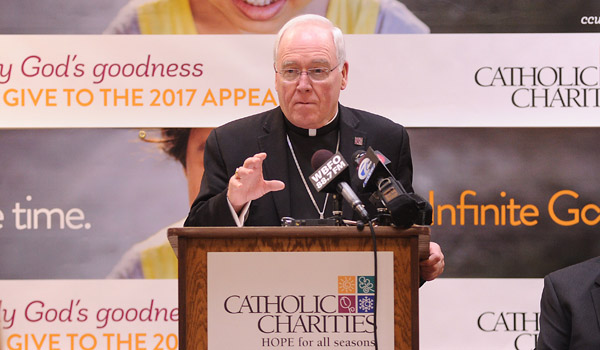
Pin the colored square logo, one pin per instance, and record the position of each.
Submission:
(366, 284)
(366, 304)
(346, 284)
(347, 304)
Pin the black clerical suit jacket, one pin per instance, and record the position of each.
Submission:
(570, 308)
(229, 145)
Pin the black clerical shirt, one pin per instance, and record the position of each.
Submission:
(304, 146)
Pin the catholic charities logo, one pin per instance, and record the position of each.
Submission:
(349, 311)
(356, 294)
(544, 86)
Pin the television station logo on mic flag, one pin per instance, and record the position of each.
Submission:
(328, 171)
(369, 163)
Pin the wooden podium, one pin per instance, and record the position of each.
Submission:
(192, 244)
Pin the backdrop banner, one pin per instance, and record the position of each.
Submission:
(89, 314)
(455, 314)
(473, 314)
(504, 133)
(469, 80)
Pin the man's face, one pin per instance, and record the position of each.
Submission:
(309, 104)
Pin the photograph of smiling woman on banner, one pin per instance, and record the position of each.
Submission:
(154, 257)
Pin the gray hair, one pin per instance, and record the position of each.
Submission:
(338, 36)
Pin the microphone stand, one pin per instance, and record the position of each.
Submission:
(337, 209)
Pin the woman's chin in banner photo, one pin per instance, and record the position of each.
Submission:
(249, 16)
(261, 16)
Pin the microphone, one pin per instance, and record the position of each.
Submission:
(359, 155)
(405, 208)
(332, 175)
(371, 166)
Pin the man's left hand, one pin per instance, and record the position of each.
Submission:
(432, 267)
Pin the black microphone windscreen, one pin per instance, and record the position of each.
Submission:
(319, 158)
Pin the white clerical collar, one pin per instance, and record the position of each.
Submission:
(313, 132)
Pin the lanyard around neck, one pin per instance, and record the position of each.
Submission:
(312, 198)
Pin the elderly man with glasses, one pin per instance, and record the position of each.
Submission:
(257, 168)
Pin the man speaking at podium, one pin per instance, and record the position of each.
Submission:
(257, 168)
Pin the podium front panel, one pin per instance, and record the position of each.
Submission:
(194, 244)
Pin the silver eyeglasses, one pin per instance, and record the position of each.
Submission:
(314, 74)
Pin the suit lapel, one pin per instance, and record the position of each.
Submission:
(273, 142)
(596, 298)
(351, 140)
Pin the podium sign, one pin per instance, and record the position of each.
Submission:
(299, 300)
(271, 286)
